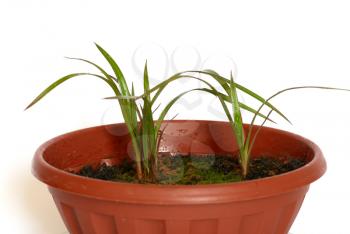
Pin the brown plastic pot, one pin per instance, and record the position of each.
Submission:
(91, 206)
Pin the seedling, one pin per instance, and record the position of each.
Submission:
(246, 143)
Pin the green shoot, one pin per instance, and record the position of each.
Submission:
(249, 141)
(246, 144)
(237, 126)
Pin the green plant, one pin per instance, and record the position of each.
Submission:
(246, 143)
(144, 129)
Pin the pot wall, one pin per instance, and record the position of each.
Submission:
(273, 215)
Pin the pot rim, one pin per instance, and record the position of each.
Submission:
(178, 194)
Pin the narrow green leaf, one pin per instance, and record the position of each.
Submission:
(173, 101)
(146, 82)
(166, 109)
(118, 73)
(221, 80)
(123, 97)
(277, 94)
(249, 144)
(236, 111)
(242, 105)
(58, 82)
(97, 66)
(128, 106)
(149, 135)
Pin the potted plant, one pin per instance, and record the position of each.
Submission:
(154, 176)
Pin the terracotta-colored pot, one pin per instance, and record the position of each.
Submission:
(91, 206)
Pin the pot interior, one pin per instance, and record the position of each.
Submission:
(111, 144)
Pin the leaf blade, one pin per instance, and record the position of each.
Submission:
(118, 73)
(56, 84)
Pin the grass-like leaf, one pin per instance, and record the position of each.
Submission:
(236, 110)
(108, 76)
(118, 73)
(149, 135)
(238, 127)
(251, 142)
(223, 80)
(62, 80)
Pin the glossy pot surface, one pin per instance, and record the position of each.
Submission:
(91, 206)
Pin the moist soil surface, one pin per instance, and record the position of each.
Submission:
(195, 169)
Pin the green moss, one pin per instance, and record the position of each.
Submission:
(194, 170)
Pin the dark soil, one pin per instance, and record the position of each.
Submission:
(197, 169)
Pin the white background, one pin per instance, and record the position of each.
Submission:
(274, 44)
